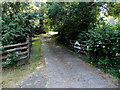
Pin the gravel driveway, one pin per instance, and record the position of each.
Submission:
(63, 69)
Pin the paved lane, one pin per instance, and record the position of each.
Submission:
(63, 69)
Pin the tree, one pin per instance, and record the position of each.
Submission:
(114, 10)
(70, 19)
(19, 19)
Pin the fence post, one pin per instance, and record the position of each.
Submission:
(28, 49)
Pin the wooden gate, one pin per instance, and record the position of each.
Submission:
(78, 46)
(21, 50)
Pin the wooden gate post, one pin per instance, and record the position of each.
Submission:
(28, 50)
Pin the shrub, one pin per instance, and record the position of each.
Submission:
(104, 48)
(18, 22)
(11, 60)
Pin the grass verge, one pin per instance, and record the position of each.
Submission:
(13, 75)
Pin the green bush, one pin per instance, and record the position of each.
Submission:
(104, 50)
(19, 19)
(11, 60)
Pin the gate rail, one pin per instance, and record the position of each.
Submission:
(22, 51)
(80, 47)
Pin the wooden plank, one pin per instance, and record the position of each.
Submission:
(18, 59)
(15, 49)
(28, 38)
(23, 53)
(82, 45)
(20, 54)
(14, 45)
(22, 58)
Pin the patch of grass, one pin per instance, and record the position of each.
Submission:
(13, 75)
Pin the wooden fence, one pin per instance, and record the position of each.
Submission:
(78, 46)
(22, 51)
(81, 47)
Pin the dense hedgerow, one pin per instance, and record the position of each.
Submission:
(104, 48)
(18, 21)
